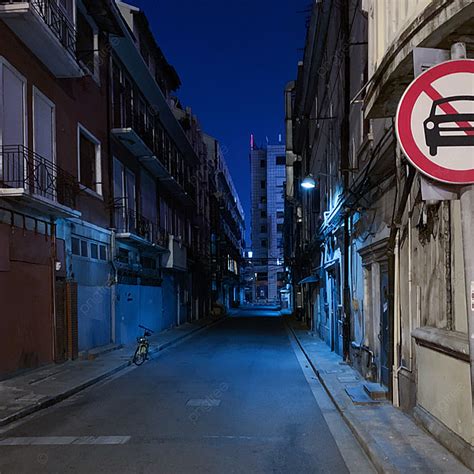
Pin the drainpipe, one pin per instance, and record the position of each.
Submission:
(178, 305)
(109, 126)
(53, 289)
(345, 164)
(458, 51)
(113, 288)
(396, 323)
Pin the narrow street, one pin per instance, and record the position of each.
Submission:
(237, 397)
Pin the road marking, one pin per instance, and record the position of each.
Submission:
(63, 440)
(352, 453)
(271, 439)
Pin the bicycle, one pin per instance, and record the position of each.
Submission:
(141, 354)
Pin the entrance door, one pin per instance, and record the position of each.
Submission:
(384, 325)
(44, 143)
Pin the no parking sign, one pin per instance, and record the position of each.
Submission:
(435, 122)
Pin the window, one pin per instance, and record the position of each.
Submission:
(264, 243)
(76, 246)
(261, 276)
(148, 263)
(67, 7)
(89, 161)
(102, 252)
(263, 228)
(263, 184)
(12, 115)
(123, 255)
(94, 251)
(144, 51)
(280, 214)
(263, 214)
(280, 228)
(263, 199)
(281, 160)
(87, 43)
(84, 248)
(262, 163)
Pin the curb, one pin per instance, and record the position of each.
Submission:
(378, 458)
(47, 402)
(53, 400)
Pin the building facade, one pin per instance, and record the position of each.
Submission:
(378, 265)
(227, 229)
(105, 185)
(268, 174)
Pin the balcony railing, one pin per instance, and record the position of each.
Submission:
(21, 168)
(55, 19)
(141, 120)
(127, 221)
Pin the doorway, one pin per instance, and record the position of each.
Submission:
(384, 334)
(334, 294)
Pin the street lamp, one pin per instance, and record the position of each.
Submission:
(308, 182)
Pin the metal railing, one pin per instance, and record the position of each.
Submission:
(129, 221)
(56, 19)
(140, 119)
(127, 115)
(21, 168)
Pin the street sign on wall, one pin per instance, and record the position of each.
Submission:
(435, 122)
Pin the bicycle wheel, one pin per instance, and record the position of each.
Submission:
(140, 356)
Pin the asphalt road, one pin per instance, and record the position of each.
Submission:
(236, 398)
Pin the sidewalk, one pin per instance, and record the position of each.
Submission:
(391, 439)
(20, 396)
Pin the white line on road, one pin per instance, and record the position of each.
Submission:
(271, 439)
(63, 440)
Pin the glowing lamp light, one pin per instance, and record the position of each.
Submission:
(308, 182)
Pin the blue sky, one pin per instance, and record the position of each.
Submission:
(234, 59)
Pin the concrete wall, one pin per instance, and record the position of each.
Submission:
(444, 390)
(137, 305)
(94, 324)
(170, 303)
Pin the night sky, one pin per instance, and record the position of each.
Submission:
(234, 60)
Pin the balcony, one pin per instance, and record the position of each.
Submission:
(36, 182)
(137, 230)
(47, 32)
(133, 132)
(176, 258)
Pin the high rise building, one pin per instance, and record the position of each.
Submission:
(267, 165)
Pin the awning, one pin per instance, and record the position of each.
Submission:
(309, 279)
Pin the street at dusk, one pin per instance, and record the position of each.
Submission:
(236, 237)
(247, 375)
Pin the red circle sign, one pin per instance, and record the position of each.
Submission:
(435, 122)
